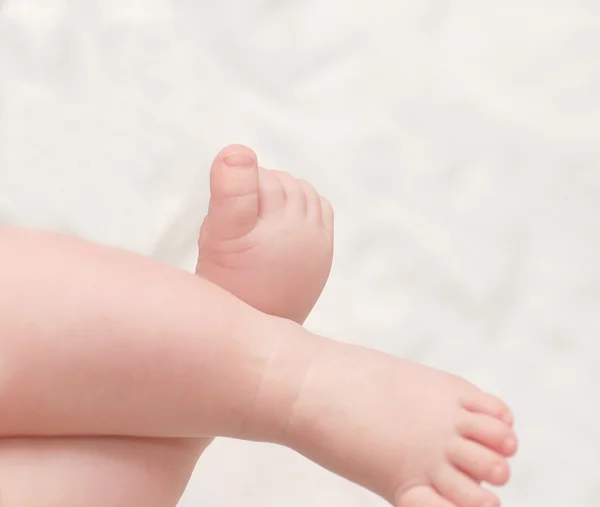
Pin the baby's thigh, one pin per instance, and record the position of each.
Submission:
(94, 472)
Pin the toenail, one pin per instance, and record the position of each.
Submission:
(238, 160)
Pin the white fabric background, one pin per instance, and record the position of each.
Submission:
(459, 142)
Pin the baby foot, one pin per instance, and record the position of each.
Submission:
(267, 238)
(416, 436)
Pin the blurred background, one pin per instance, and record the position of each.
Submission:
(459, 142)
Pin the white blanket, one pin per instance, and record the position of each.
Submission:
(459, 142)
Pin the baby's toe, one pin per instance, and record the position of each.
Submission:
(271, 195)
(313, 202)
(462, 490)
(488, 404)
(488, 431)
(295, 196)
(479, 462)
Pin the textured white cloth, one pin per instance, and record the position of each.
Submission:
(459, 142)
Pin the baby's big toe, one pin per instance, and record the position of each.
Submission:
(234, 192)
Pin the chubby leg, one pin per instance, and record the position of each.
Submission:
(97, 341)
(412, 434)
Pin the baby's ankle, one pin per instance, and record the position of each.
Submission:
(280, 395)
